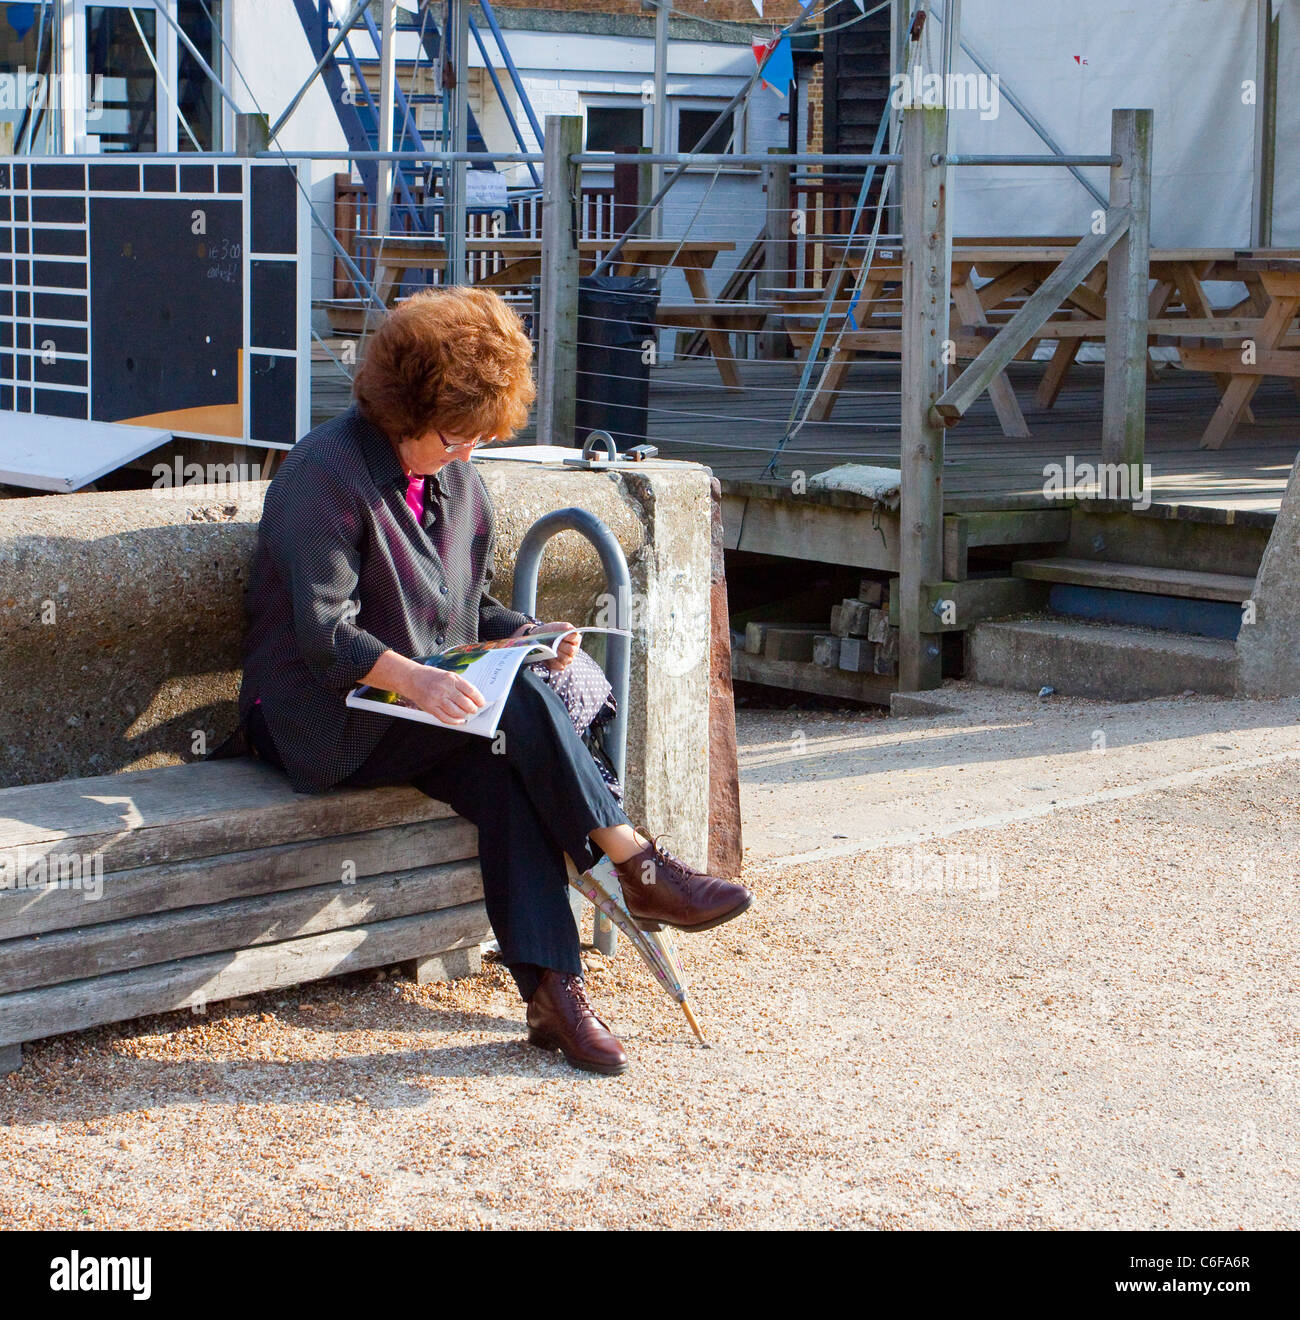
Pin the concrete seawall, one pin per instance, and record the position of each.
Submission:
(122, 619)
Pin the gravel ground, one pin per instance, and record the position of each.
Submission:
(1088, 1022)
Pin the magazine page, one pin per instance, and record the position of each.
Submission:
(490, 666)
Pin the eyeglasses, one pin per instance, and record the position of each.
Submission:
(460, 444)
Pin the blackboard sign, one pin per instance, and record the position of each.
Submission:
(162, 291)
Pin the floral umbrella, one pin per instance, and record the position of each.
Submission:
(601, 887)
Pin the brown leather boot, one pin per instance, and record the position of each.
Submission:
(661, 890)
(560, 1017)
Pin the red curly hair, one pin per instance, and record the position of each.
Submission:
(456, 359)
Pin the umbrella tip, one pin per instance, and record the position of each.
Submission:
(695, 1026)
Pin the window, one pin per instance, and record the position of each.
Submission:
(696, 131)
(116, 52)
(26, 40)
(615, 127)
(199, 101)
(145, 89)
(692, 128)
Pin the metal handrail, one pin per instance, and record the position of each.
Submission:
(618, 649)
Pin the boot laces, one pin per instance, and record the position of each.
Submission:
(577, 990)
(665, 858)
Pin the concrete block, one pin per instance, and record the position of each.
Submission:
(855, 655)
(1091, 660)
(826, 651)
(146, 644)
(1268, 645)
(838, 628)
(789, 643)
(871, 591)
(855, 615)
(885, 659)
(756, 637)
(726, 847)
(448, 966)
(878, 626)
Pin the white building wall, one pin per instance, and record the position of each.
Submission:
(559, 74)
(273, 60)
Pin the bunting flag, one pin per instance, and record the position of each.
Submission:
(22, 18)
(776, 59)
(758, 4)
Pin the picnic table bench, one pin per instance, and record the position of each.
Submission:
(991, 278)
(1277, 347)
(718, 320)
(156, 890)
(397, 255)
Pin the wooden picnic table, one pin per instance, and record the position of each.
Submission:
(718, 320)
(1277, 348)
(395, 255)
(1010, 270)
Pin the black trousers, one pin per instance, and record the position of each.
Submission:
(535, 794)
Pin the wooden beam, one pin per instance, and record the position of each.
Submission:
(1128, 285)
(927, 276)
(195, 982)
(1003, 397)
(385, 169)
(1170, 327)
(1027, 323)
(557, 333)
(776, 250)
(1227, 362)
(800, 677)
(956, 606)
(816, 533)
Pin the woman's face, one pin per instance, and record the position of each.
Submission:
(425, 454)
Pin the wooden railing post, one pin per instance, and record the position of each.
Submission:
(1128, 270)
(774, 343)
(557, 331)
(927, 276)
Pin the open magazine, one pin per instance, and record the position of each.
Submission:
(490, 666)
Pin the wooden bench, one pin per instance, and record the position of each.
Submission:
(716, 321)
(182, 886)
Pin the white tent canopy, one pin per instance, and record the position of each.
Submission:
(1192, 61)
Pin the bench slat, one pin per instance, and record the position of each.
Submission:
(152, 889)
(118, 946)
(168, 987)
(144, 817)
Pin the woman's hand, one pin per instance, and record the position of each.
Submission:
(566, 647)
(445, 695)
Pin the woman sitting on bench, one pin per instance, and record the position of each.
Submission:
(375, 548)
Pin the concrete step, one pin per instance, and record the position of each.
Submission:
(1180, 582)
(1093, 660)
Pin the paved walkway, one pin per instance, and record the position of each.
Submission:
(1032, 985)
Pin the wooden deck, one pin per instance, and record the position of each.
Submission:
(693, 417)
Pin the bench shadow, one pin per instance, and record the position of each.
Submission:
(112, 1080)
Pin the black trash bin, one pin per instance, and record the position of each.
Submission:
(616, 338)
